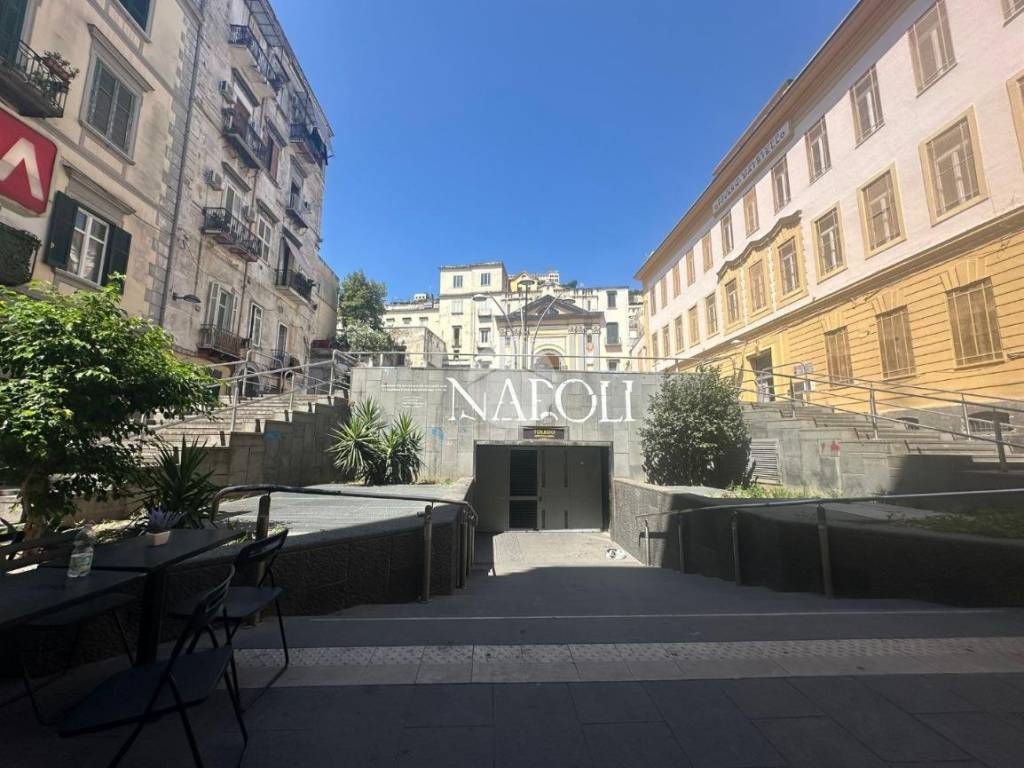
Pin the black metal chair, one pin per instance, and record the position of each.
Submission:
(254, 562)
(24, 553)
(184, 680)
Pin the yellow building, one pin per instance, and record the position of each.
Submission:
(864, 238)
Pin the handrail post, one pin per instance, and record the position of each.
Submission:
(428, 535)
(262, 529)
(734, 526)
(463, 548)
(874, 410)
(647, 540)
(290, 375)
(825, 552)
(330, 382)
(997, 427)
(967, 418)
(681, 541)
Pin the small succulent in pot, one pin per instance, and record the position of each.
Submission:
(159, 523)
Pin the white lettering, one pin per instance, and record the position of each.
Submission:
(604, 404)
(536, 399)
(561, 406)
(513, 400)
(468, 398)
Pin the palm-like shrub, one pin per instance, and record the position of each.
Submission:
(178, 484)
(377, 453)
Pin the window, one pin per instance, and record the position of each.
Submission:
(750, 211)
(952, 168)
(710, 315)
(485, 335)
(406, 321)
(691, 319)
(895, 343)
(613, 365)
(931, 46)
(255, 332)
(282, 342)
(880, 211)
(222, 307)
(829, 243)
(780, 184)
(485, 279)
(88, 246)
(818, 158)
(654, 345)
(613, 334)
(112, 107)
(456, 281)
(758, 292)
(972, 315)
(789, 267)
(726, 227)
(138, 10)
(653, 300)
(691, 270)
(679, 332)
(265, 235)
(1011, 8)
(664, 291)
(665, 343)
(613, 297)
(675, 280)
(1016, 89)
(837, 354)
(867, 105)
(732, 302)
(705, 247)
(456, 306)
(456, 335)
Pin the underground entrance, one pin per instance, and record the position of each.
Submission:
(525, 486)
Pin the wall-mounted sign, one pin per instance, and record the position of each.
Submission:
(26, 164)
(543, 433)
(741, 178)
(575, 400)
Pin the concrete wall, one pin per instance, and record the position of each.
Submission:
(458, 409)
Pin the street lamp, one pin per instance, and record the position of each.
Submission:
(540, 321)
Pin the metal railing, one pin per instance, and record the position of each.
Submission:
(228, 229)
(221, 340)
(821, 522)
(267, 64)
(239, 128)
(296, 281)
(42, 74)
(467, 521)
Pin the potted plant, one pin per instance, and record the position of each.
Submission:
(159, 523)
(16, 250)
(179, 481)
(59, 67)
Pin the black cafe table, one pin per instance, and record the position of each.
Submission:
(28, 595)
(139, 557)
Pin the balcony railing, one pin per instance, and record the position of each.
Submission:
(295, 281)
(296, 208)
(229, 230)
(35, 84)
(266, 64)
(240, 131)
(220, 343)
(309, 142)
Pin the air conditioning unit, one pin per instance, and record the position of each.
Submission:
(227, 90)
(248, 213)
(214, 179)
(307, 207)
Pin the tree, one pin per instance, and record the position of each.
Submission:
(361, 301)
(368, 448)
(78, 377)
(694, 433)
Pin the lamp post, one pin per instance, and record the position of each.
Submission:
(540, 321)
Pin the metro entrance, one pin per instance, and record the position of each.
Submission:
(550, 487)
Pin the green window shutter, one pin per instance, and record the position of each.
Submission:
(117, 255)
(62, 226)
(12, 19)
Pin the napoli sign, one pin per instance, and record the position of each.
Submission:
(574, 400)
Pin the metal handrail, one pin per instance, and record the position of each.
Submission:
(467, 520)
(822, 524)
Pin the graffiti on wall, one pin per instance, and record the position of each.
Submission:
(610, 403)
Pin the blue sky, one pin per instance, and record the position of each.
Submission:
(567, 134)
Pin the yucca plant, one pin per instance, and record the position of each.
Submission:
(368, 449)
(178, 483)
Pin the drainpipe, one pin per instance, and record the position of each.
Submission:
(181, 174)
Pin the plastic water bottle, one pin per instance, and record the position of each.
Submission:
(80, 562)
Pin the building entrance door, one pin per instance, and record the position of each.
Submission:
(761, 365)
(570, 488)
(522, 488)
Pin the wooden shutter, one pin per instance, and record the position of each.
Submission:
(12, 19)
(117, 255)
(62, 225)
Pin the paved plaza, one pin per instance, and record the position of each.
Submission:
(556, 655)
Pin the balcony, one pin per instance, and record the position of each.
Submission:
(308, 142)
(220, 344)
(243, 136)
(298, 209)
(36, 85)
(267, 76)
(296, 282)
(228, 230)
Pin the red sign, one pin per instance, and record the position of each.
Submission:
(26, 164)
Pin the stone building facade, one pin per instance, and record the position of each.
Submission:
(155, 162)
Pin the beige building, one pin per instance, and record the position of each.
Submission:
(187, 153)
(488, 318)
(868, 226)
